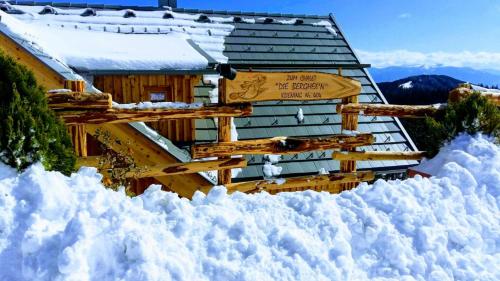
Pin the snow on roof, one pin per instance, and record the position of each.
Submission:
(120, 39)
(123, 39)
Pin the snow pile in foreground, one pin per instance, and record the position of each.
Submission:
(54, 227)
(457, 151)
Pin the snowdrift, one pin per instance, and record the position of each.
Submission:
(54, 227)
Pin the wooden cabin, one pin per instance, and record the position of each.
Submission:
(156, 54)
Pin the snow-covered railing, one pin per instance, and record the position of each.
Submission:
(160, 170)
(78, 108)
(329, 182)
(350, 108)
(280, 145)
(396, 110)
(86, 109)
(464, 90)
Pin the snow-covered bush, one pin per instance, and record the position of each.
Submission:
(29, 130)
(471, 115)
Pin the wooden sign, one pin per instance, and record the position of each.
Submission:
(300, 86)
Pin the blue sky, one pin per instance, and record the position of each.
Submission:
(413, 30)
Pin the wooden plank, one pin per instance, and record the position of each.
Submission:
(117, 89)
(280, 145)
(267, 86)
(378, 155)
(152, 115)
(177, 96)
(185, 168)
(79, 100)
(299, 183)
(79, 139)
(75, 85)
(195, 80)
(403, 111)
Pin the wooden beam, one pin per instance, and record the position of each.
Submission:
(114, 116)
(300, 183)
(79, 101)
(185, 168)
(77, 132)
(279, 145)
(378, 155)
(223, 134)
(349, 122)
(145, 152)
(464, 91)
(403, 111)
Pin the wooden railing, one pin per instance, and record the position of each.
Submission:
(78, 108)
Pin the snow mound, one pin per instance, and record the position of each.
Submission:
(54, 227)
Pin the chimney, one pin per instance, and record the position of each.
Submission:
(169, 3)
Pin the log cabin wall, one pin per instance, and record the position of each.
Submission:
(156, 88)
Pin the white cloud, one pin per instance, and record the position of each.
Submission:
(476, 60)
(404, 16)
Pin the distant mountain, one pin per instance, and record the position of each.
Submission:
(487, 77)
(421, 89)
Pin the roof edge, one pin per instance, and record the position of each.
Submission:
(146, 72)
(155, 8)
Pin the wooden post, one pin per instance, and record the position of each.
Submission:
(349, 122)
(223, 134)
(77, 132)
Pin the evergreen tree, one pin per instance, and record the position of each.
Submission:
(471, 115)
(29, 130)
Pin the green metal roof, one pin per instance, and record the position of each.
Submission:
(263, 46)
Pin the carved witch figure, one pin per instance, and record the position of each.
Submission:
(250, 89)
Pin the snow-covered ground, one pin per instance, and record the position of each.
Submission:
(54, 227)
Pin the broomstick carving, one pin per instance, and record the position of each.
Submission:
(250, 89)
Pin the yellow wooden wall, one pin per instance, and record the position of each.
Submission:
(44, 75)
(137, 88)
